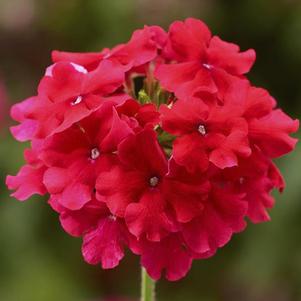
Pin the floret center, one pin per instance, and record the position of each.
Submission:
(153, 181)
(112, 217)
(202, 129)
(95, 153)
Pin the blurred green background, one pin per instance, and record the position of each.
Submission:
(38, 261)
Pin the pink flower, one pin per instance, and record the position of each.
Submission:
(105, 243)
(142, 48)
(76, 156)
(104, 236)
(202, 62)
(171, 256)
(169, 165)
(206, 133)
(89, 60)
(66, 94)
(140, 115)
(255, 176)
(137, 195)
(222, 216)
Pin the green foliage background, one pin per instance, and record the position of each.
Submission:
(38, 261)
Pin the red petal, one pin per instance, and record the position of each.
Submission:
(224, 215)
(259, 103)
(170, 255)
(89, 60)
(173, 75)
(184, 116)
(79, 222)
(227, 56)
(189, 151)
(142, 47)
(118, 131)
(105, 244)
(189, 39)
(149, 217)
(203, 82)
(225, 155)
(143, 152)
(27, 182)
(271, 133)
(185, 192)
(65, 83)
(128, 187)
(105, 79)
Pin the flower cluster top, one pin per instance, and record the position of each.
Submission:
(160, 145)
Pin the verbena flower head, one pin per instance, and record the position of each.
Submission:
(160, 145)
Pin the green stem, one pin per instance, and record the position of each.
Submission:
(147, 287)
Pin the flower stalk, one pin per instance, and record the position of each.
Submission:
(147, 287)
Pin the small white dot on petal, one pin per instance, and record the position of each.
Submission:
(49, 70)
(79, 68)
(107, 55)
(207, 66)
(77, 100)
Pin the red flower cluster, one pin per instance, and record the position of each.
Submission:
(160, 145)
